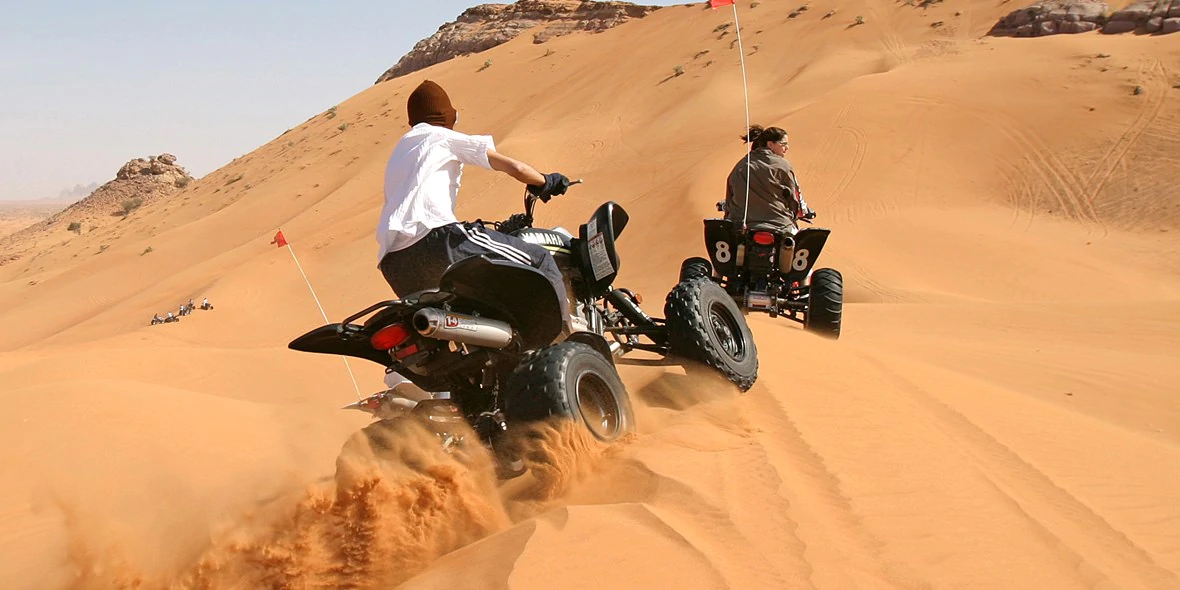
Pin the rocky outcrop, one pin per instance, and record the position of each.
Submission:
(486, 26)
(1162, 16)
(1080, 16)
(137, 183)
(141, 181)
(1052, 17)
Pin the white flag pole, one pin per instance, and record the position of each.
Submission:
(746, 93)
(321, 308)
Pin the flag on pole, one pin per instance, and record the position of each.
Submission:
(281, 241)
(719, 3)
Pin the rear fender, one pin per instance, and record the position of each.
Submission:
(808, 245)
(595, 341)
(721, 240)
(340, 339)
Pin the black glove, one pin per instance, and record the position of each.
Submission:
(555, 184)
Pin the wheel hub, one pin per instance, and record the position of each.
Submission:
(599, 409)
(725, 331)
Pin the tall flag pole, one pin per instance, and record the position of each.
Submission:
(715, 4)
(280, 241)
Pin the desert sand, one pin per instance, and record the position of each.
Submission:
(1000, 412)
(16, 215)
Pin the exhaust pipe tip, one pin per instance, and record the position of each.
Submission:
(421, 321)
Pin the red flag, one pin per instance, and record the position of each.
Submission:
(279, 240)
(719, 3)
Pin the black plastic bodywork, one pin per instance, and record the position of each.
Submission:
(776, 271)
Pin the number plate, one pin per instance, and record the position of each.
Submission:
(758, 300)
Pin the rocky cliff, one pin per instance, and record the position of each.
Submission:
(137, 183)
(488, 25)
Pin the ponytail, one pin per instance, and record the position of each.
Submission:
(753, 134)
(759, 136)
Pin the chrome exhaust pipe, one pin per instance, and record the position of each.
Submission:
(457, 327)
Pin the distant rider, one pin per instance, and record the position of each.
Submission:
(775, 197)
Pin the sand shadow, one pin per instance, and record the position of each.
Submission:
(680, 392)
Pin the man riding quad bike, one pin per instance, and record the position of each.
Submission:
(491, 337)
(508, 320)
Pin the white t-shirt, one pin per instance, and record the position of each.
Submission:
(422, 182)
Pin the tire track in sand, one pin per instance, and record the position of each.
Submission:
(860, 147)
(827, 162)
(824, 165)
(1063, 185)
(813, 489)
(1048, 507)
(1117, 154)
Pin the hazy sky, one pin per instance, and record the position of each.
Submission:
(87, 85)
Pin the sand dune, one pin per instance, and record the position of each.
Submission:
(999, 413)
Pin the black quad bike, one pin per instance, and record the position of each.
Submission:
(766, 269)
(492, 336)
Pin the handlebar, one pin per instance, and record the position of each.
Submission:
(530, 200)
(519, 221)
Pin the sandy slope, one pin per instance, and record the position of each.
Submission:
(1000, 412)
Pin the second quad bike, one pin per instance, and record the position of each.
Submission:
(492, 337)
(768, 269)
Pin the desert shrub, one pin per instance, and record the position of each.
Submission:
(131, 205)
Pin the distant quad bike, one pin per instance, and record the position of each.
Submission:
(492, 336)
(765, 269)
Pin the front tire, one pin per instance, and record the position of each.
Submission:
(570, 380)
(825, 303)
(705, 325)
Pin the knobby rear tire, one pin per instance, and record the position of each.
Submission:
(825, 303)
(705, 325)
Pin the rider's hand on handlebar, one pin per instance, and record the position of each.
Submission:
(555, 184)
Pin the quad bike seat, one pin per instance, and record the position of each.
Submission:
(769, 226)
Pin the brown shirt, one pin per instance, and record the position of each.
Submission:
(774, 189)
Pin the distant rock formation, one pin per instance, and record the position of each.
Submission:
(137, 183)
(79, 191)
(1052, 17)
(488, 25)
(1160, 17)
(144, 179)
